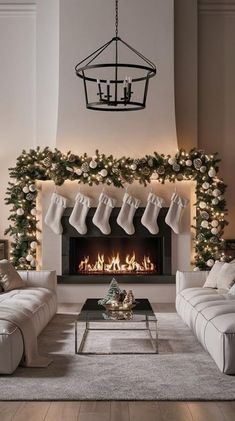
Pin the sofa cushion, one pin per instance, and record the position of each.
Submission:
(201, 306)
(40, 303)
(211, 312)
(231, 291)
(189, 293)
(212, 278)
(205, 299)
(225, 323)
(9, 277)
(226, 276)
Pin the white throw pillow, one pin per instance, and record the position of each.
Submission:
(9, 277)
(212, 278)
(226, 276)
(232, 290)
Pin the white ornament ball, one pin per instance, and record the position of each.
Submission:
(133, 167)
(33, 245)
(85, 175)
(214, 231)
(33, 263)
(155, 176)
(29, 258)
(210, 263)
(221, 197)
(196, 269)
(93, 164)
(216, 192)
(70, 169)
(78, 171)
(25, 189)
(215, 201)
(204, 224)
(203, 169)
(202, 205)
(215, 223)
(20, 212)
(176, 167)
(103, 172)
(212, 172)
(171, 161)
(205, 185)
(33, 211)
(32, 188)
(189, 163)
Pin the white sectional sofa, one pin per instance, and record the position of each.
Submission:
(39, 301)
(210, 313)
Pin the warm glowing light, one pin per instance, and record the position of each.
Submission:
(114, 264)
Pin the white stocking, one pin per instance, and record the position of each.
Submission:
(103, 212)
(175, 212)
(54, 213)
(78, 216)
(150, 215)
(127, 212)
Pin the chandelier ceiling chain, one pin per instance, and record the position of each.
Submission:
(115, 86)
(116, 19)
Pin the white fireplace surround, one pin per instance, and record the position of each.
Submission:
(50, 251)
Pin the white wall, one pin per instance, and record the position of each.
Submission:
(47, 65)
(17, 89)
(149, 27)
(216, 99)
(29, 51)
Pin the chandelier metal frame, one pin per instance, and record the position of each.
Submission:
(108, 91)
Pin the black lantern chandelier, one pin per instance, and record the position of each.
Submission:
(114, 85)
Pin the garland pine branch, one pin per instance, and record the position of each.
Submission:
(54, 165)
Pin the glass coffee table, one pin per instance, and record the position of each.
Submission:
(141, 317)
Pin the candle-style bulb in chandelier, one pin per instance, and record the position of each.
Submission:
(111, 84)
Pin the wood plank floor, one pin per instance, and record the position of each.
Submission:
(117, 411)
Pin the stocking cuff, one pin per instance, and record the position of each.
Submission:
(85, 200)
(181, 201)
(60, 200)
(107, 200)
(131, 200)
(155, 200)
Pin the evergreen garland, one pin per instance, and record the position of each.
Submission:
(45, 164)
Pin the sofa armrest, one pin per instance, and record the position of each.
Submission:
(43, 278)
(190, 279)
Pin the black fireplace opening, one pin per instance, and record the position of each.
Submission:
(95, 257)
(115, 255)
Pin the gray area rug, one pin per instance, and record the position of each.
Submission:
(181, 371)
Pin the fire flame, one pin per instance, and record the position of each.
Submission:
(114, 264)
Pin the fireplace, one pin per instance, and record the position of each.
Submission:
(114, 256)
(94, 257)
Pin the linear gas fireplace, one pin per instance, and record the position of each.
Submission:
(94, 257)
